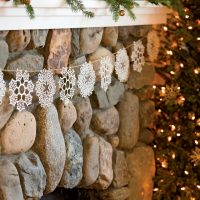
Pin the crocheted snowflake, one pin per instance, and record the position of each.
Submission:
(86, 79)
(153, 45)
(67, 84)
(122, 65)
(2, 87)
(45, 88)
(105, 72)
(21, 89)
(138, 56)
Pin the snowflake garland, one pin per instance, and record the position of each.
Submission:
(122, 65)
(137, 56)
(67, 83)
(21, 89)
(45, 88)
(2, 87)
(105, 72)
(86, 79)
(153, 45)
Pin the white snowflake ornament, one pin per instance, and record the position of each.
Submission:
(2, 87)
(153, 45)
(86, 79)
(105, 72)
(122, 65)
(67, 84)
(137, 56)
(45, 88)
(21, 89)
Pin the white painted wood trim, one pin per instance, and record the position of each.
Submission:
(56, 14)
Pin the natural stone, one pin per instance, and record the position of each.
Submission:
(105, 122)
(137, 80)
(50, 145)
(90, 160)
(90, 38)
(84, 115)
(31, 173)
(128, 131)
(3, 54)
(67, 115)
(115, 194)
(110, 36)
(120, 169)
(38, 37)
(118, 46)
(58, 49)
(146, 136)
(3, 34)
(75, 44)
(96, 56)
(30, 61)
(141, 182)
(103, 100)
(72, 173)
(147, 111)
(18, 135)
(18, 40)
(10, 184)
(113, 140)
(144, 93)
(158, 80)
(105, 166)
(6, 110)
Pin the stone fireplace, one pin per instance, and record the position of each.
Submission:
(92, 148)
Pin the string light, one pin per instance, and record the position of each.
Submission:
(165, 28)
(183, 188)
(173, 127)
(198, 186)
(178, 134)
(155, 189)
(154, 87)
(181, 65)
(173, 155)
(164, 164)
(196, 142)
(186, 172)
(187, 16)
(159, 110)
(196, 71)
(170, 52)
(190, 27)
(169, 138)
(198, 38)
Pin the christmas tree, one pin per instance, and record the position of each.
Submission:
(177, 125)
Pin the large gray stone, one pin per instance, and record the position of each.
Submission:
(50, 145)
(84, 115)
(3, 34)
(31, 173)
(72, 173)
(30, 61)
(128, 131)
(105, 122)
(90, 38)
(90, 160)
(137, 80)
(18, 40)
(120, 169)
(3, 54)
(105, 166)
(6, 110)
(38, 37)
(141, 165)
(103, 100)
(18, 135)
(10, 188)
(75, 44)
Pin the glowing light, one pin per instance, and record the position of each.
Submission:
(178, 87)
(155, 189)
(169, 138)
(198, 38)
(154, 86)
(173, 155)
(187, 16)
(186, 172)
(183, 188)
(196, 71)
(170, 52)
(173, 127)
(181, 65)
(165, 28)
(196, 142)
(159, 110)
(154, 146)
(162, 131)
(178, 134)
(198, 186)
(190, 27)
(164, 164)
(172, 72)
(177, 24)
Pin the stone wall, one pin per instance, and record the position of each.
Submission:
(100, 142)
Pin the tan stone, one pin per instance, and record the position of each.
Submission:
(128, 131)
(105, 122)
(90, 38)
(120, 169)
(96, 56)
(110, 36)
(105, 166)
(59, 49)
(67, 115)
(19, 133)
(147, 92)
(4, 53)
(10, 188)
(115, 194)
(50, 145)
(90, 161)
(18, 40)
(141, 165)
(113, 140)
(146, 136)
(3, 34)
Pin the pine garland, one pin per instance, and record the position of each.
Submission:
(115, 6)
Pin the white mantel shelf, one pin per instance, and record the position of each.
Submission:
(52, 14)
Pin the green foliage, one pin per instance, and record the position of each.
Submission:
(179, 180)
